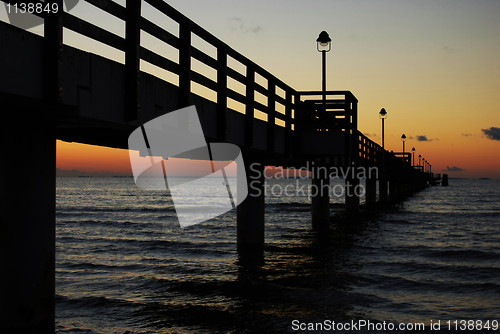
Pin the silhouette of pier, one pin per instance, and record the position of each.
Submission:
(51, 91)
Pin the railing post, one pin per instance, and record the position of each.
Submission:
(132, 59)
(249, 105)
(288, 123)
(52, 53)
(184, 65)
(221, 93)
(297, 127)
(271, 110)
(353, 112)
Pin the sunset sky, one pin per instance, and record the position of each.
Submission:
(433, 65)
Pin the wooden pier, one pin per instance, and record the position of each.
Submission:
(52, 91)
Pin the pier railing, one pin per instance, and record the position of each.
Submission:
(370, 153)
(135, 23)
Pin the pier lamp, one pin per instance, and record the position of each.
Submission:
(413, 150)
(430, 169)
(419, 157)
(383, 115)
(324, 45)
(403, 139)
(423, 165)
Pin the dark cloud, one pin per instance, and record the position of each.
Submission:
(453, 169)
(423, 138)
(492, 133)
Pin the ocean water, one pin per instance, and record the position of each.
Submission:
(125, 266)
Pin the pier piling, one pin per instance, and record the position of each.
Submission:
(320, 197)
(352, 194)
(250, 213)
(383, 193)
(371, 191)
(27, 223)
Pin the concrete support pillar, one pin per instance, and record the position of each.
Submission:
(371, 191)
(250, 213)
(27, 223)
(383, 191)
(320, 197)
(353, 192)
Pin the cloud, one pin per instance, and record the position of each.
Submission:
(492, 133)
(453, 169)
(423, 138)
(466, 134)
(448, 49)
(237, 24)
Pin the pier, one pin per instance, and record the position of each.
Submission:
(51, 91)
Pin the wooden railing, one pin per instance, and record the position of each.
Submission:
(370, 153)
(404, 156)
(135, 52)
(337, 113)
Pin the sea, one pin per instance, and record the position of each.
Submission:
(430, 262)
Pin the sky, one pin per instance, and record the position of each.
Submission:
(433, 65)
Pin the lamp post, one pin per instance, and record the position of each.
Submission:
(383, 115)
(419, 160)
(403, 139)
(323, 46)
(413, 150)
(320, 211)
(423, 165)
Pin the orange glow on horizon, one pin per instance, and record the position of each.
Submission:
(475, 155)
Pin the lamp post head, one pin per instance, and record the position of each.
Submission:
(413, 150)
(403, 138)
(419, 156)
(382, 113)
(324, 42)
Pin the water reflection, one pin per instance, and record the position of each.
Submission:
(309, 277)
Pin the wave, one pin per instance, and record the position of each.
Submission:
(470, 255)
(61, 210)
